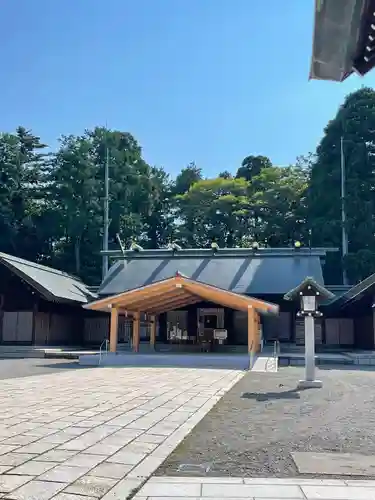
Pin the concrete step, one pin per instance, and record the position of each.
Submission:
(265, 364)
(21, 354)
(228, 362)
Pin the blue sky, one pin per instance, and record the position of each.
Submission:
(209, 81)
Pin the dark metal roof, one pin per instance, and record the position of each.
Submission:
(341, 29)
(309, 282)
(54, 285)
(356, 292)
(266, 271)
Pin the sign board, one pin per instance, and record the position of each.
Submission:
(220, 334)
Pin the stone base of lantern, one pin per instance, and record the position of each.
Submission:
(310, 384)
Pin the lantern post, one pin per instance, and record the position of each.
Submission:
(310, 294)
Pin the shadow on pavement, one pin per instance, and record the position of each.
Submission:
(267, 396)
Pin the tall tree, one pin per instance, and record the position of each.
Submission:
(74, 189)
(186, 178)
(277, 205)
(252, 166)
(355, 123)
(21, 167)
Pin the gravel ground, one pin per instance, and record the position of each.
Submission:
(26, 367)
(261, 420)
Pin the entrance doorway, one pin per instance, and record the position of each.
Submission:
(209, 320)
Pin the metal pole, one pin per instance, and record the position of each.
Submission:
(344, 236)
(106, 214)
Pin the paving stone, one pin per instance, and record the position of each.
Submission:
(104, 449)
(151, 438)
(171, 490)
(68, 496)
(37, 447)
(123, 489)
(111, 470)
(250, 491)
(139, 447)
(178, 498)
(147, 467)
(339, 492)
(6, 448)
(36, 490)
(9, 483)
(201, 480)
(91, 485)
(351, 464)
(57, 438)
(20, 440)
(15, 459)
(123, 457)
(64, 474)
(57, 455)
(84, 460)
(74, 431)
(33, 468)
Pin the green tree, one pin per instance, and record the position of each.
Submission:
(74, 193)
(21, 172)
(213, 210)
(355, 123)
(137, 198)
(252, 166)
(186, 178)
(277, 206)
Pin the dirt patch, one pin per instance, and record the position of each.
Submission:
(262, 420)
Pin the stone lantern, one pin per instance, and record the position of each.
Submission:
(309, 294)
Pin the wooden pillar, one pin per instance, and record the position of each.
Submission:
(136, 331)
(113, 331)
(250, 329)
(257, 342)
(153, 332)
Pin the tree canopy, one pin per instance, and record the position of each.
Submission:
(51, 202)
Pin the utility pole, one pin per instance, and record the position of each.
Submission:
(106, 213)
(344, 236)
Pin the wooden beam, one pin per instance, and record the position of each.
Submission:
(136, 331)
(225, 297)
(250, 330)
(138, 293)
(155, 299)
(173, 304)
(219, 297)
(113, 331)
(153, 332)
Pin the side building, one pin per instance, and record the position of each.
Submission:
(40, 305)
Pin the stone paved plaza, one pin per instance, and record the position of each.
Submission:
(98, 433)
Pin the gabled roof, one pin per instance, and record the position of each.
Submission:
(178, 291)
(244, 271)
(356, 292)
(309, 282)
(52, 284)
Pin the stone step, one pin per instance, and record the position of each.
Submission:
(21, 354)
